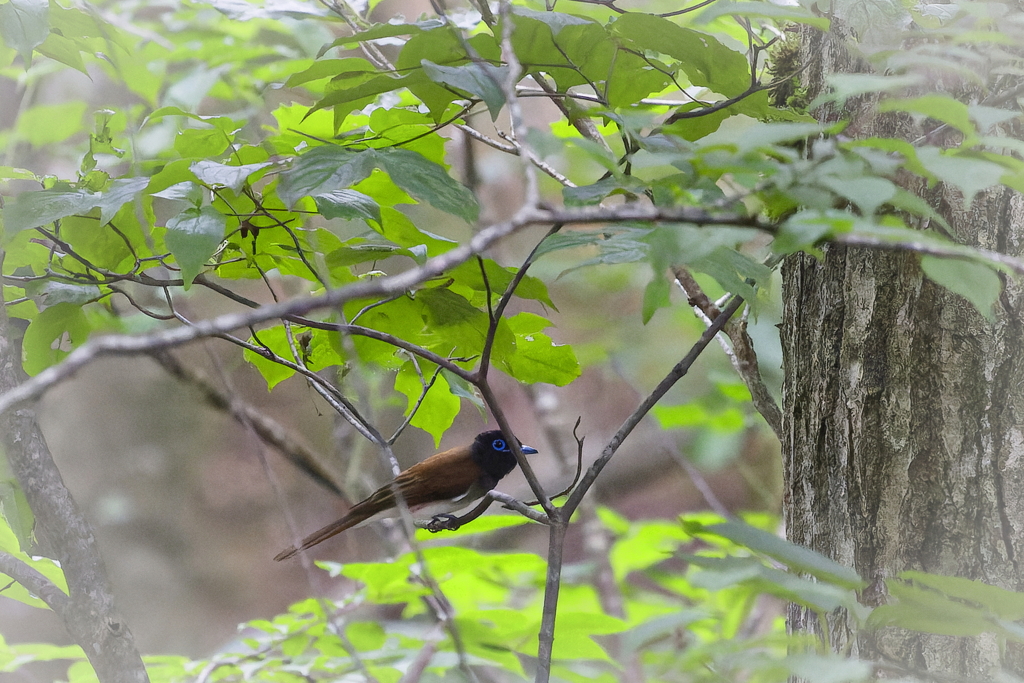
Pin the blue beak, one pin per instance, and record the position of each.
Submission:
(527, 450)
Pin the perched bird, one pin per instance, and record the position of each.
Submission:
(444, 482)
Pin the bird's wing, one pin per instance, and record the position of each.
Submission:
(443, 476)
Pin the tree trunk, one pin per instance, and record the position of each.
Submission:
(903, 439)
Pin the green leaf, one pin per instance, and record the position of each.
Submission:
(46, 124)
(24, 24)
(48, 327)
(33, 209)
(481, 525)
(723, 572)
(120, 192)
(974, 281)
(348, 205)
(429, 182)
(867, 193)
(705, 60)
(1005, 604)
(385, 583)
(816, 668)
(276, 339)
(14, 508)
(192, 237)
(656, 295)
(970, 174)
(389, 30)
(732, 270)
(455, 325)
(845, 85)
(322, 170)
(691, 415)
(927, 610)
(793, 556)
(49, 568)
(939, 106)
(439, 408)
(646, 544)
(536, 358)
(575, 635)
(555, 21)
(331, 68)
(478, 79)
(794, 13)
(201, 143)
(633, 78)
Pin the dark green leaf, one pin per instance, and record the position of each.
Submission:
(656, 295)
(939, 106)
(928, 610)
(429, 182)
(33, 209)
(322, 170)
(330, 68)
(347, 204)
(349, 255)
(1005, 604)
(478, 79)
(720, 573)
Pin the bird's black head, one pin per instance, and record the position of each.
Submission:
(491, 451)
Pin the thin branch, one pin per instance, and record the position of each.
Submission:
(513, 147)
(941, 251)
(496, 313)
(267, 429)
(677, 372)
(560, 517)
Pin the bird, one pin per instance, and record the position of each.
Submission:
(444, 482)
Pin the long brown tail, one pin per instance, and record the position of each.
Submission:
(346, 522)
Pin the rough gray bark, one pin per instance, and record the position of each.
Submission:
(904, 439)
(89, 614)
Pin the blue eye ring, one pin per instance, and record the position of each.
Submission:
(499, 445)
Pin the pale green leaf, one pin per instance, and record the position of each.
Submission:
(975, 281)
